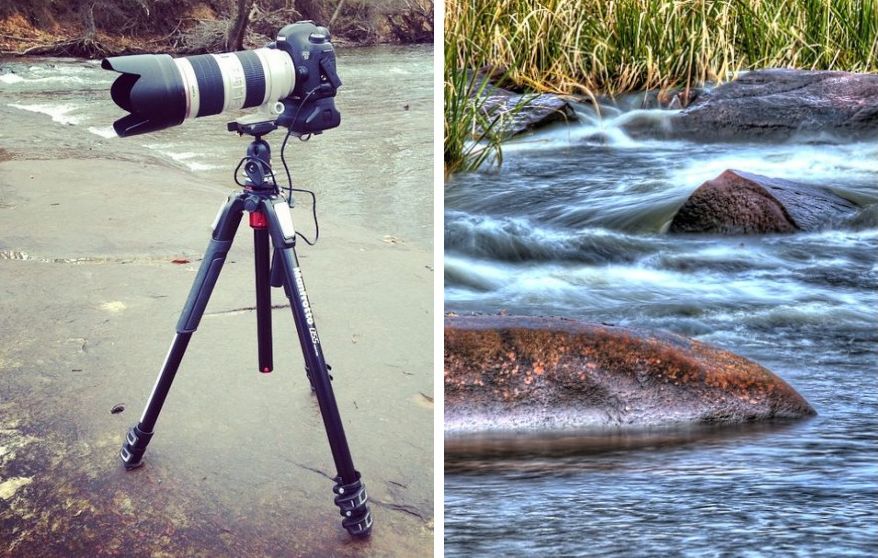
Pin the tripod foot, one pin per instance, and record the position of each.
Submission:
(134, 447)
(352, 500)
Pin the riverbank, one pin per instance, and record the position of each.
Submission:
(597, 47)
(198, 26)
(596, 50)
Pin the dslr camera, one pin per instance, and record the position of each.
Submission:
(292, 79)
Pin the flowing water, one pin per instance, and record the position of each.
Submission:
(573, 224)
(62, 107)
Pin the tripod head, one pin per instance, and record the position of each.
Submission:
(257, 162)
(261, 180)
(256, 125)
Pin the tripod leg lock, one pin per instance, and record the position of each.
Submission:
(352, 501)
(134, 447)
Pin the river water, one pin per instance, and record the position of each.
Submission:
(573, 225)
(63, 107)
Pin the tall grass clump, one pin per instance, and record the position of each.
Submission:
(611, 47)
(473, 129)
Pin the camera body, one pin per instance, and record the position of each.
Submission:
(310, 108)
(293, 79)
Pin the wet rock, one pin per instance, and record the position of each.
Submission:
(738, 202)
(867, 218)
(513, 374)
(521, 112)
(778, 104)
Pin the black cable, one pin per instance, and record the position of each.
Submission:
(283, 147)
(262, 164)
(309, 192)
(290, 188)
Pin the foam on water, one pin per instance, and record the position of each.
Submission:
(59, 113)
(821, 164)
(519, 239)
(196, 166)
(191, 160)
(106, 132)
(604, 127)
(182, 156)
(802, 312)
(55, 81)
(11, 78)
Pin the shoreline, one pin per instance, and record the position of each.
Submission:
(204, 32)
(61, 110)
(121, 47)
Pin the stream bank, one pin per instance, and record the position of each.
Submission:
(99, 28)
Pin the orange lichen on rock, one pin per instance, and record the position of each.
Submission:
(529, 369)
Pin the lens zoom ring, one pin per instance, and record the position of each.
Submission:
(254, 77)
(211, 91)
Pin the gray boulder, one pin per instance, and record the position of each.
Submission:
(521, 112)
(777, 104)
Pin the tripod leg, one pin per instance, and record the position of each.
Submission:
(214, 257)
(351, 497)
(262, 255)
(278, 280)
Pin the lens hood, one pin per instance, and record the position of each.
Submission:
(151, 89)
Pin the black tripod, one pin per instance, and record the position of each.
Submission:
(269, 218)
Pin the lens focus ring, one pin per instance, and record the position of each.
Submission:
(254, 78)
(210, 84)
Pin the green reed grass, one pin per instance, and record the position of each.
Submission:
(611, 47)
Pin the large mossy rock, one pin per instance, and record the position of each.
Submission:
(512, 375)
(738, 202)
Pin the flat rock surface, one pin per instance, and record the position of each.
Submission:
(239, 465)
(532, 375)
(772, 105)
(777, 104)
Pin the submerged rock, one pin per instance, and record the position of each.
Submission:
(513, 374)
(738, 202)
(778, 104)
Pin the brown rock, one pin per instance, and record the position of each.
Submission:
(513, 374)
(738, 202)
